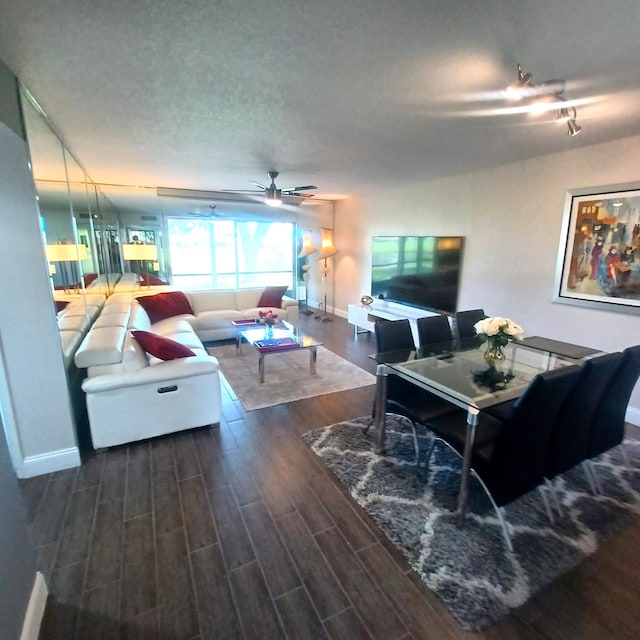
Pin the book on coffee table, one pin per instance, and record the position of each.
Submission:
(275, 344)
(244, 323)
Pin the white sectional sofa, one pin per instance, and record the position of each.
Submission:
(75, 319)
(132, 396)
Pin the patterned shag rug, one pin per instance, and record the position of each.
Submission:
(470, 568)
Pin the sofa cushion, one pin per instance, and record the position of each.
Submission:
(272, 297)
(115, 319)
(134, 357)
(248, 298)
(139, 319)
(216, 300)
(216, 319)
(161, 347)
(101, 346)
(164, 305)
(169, 326)
(74, 323)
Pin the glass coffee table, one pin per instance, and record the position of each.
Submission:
(283, 337)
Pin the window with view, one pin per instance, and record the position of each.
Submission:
(230, 254)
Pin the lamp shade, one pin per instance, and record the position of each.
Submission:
(307, 246)
(140, 252)
(327, 248)
(66, 252)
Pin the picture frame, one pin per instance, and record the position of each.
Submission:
(599, 253)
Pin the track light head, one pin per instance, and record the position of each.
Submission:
(574, 128)
(516, 90)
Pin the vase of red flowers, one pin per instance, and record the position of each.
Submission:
(268, 319)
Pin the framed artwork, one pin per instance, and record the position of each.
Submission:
(599, 254)
(141, 236)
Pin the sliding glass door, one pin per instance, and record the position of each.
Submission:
(230, 254)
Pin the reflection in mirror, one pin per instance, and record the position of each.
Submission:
(49, 167)
(107, 237)
(141, 233)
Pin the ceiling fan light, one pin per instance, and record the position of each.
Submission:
(272, 196)
(574, 128)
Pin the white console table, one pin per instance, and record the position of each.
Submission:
(363, 318)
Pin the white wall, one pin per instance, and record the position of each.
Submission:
(34, 399)
(511, 217)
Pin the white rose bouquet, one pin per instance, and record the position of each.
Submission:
(497, 332)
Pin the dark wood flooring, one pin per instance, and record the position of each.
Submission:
(238, 531)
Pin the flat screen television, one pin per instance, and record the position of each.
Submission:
(420, 271)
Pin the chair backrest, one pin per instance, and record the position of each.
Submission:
(433, 330)
(569, 445)
(516, 465)
(464, 321)
(609, 419)
(393, 335)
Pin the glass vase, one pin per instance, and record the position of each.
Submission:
(494, 352)
(268, 330)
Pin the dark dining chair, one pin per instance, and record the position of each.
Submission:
(509, 455)
(393, 335)
(607, 427)
(433, 330)
(569, 444)
(403, 397)
(463, 322)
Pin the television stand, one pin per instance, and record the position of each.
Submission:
(364, 317)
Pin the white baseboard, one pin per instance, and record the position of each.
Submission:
(50, 462)
(35, 609)
(633, 416)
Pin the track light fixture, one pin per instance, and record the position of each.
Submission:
(568, 115)
(563, 115)
(545, 95)
(516, 91)
(574, 128)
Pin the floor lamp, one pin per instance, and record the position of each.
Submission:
(327, 249)
(66, 255)
(306, 250)
(140, 253)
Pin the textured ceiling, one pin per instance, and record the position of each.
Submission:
(352, 96)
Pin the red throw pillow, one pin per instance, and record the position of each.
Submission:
(60, 305)
(148, 279)
(161, 347)
(89, 278)
(164, 305)
(272, 297)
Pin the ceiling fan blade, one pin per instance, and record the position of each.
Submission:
(243, 191)
(258, 185)
(296, 189)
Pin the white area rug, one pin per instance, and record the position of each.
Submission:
(287, 376)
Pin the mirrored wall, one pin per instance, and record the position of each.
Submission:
(80, 226)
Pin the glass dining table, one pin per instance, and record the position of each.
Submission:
(456, 372)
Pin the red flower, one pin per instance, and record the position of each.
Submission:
(268, 317)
